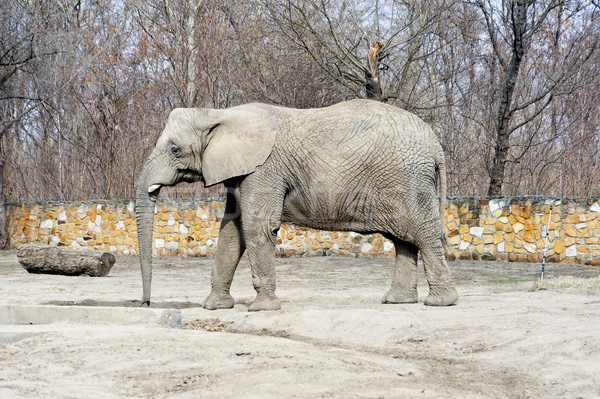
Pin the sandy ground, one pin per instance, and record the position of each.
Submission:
(332, 338)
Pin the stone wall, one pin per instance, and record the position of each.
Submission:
(514, 229)
(510, 229)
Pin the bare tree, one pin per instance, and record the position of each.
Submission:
(513, 27)
(372, 49)
(18, 39)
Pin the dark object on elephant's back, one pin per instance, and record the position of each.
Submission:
(69, 262)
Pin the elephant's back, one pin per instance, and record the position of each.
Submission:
(362, 131)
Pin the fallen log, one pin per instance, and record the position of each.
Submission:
(69, 262)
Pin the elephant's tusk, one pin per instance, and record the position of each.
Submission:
(154, 187)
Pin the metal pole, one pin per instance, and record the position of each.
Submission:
(546, 244)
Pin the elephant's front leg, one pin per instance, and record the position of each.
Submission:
(261, 250)
(260, 235)
(230, 248)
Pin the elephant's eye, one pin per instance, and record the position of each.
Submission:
(175, 150)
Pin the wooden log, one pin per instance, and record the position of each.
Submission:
(69, 262)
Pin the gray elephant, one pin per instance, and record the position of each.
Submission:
(358, 166)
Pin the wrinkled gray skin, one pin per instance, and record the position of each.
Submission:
(360, 166)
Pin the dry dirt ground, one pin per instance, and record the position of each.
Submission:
(332, 338)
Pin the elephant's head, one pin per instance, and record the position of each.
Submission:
(199, 144)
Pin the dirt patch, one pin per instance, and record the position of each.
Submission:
(333, 338)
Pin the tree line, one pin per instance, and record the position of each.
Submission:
(511, 87)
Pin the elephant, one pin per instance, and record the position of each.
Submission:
(359, 165)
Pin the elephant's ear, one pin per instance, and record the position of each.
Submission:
(237, 144)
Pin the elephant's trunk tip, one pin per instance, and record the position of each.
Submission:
(146, 304)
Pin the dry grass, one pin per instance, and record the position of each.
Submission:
(573, 282)
(213, 325)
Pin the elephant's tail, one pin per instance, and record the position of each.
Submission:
(441, 175)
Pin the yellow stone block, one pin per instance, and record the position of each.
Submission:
(468, 238)
(509, 247)
(115, 233)
(559, 247)
(497, 213)
(529, 236)
(477, 241)
(582, 248)
(463, 229)
(583, 233)
(498, 238)
(516, 210)
(574, 219)
(499, 226)
(488, 239)
(508, 228)
(570, 230)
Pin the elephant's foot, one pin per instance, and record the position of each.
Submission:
(400, 296)
(218, 301)
(265, 302)
(441, 296)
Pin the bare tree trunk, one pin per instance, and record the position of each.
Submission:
(69, 262)
(4, 242)
(503, 118)
(372, 87)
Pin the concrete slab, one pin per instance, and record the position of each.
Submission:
(46, 314)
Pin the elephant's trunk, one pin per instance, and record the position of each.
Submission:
(144, 210)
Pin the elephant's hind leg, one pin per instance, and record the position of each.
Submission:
(230, 248)
(441, 289)
(404, 280)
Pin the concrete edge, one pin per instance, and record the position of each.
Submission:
(46, 314)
